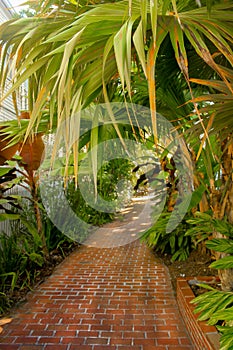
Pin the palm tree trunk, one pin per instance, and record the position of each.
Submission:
(224, 207)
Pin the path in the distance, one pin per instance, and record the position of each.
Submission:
(118, 298)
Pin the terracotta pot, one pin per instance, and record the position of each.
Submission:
(24, 115)
(32, 150)
(32, 153)
(6, 153)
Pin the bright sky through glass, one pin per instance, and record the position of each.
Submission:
(15, 3)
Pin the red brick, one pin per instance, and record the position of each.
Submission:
(49, 340)
(88, 334)
(32, 347)
(123, 347)
(167, 341)
(19, 332)
(84, 347)
(95, 341)
(118, 341)
(26, 340)
(42, 333)
(66, 333)
(73, 340)
(90, 306)
(55, 347)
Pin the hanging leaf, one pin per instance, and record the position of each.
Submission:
(140, 47)
(120, 52)
(224, 263)
(4, 216)
(220, 245)
(154, 17)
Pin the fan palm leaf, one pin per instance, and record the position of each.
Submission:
(57, 34)
(71, 47)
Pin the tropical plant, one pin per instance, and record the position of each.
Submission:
(174, 243)
(19, 259)
(203, 228)
(54, 49)
(72, 54)
(215, 306)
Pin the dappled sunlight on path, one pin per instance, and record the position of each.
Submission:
(132, 222)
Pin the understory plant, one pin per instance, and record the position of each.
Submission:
(174, 243)
(21, 251)
(108, 178)
(216, 306)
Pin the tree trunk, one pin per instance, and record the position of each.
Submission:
(225, 208)
(31, 152)
(6, 153)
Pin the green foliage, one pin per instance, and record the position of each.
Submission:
(174, 243)
(180, 241)
(8, 201)
(21, 256)
(226, 341)
(220, 245)
(223, 263)
(21, 253)
(110, 174)
(216, 307)
(202, 226)
(16, 257)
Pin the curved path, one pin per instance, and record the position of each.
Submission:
(99, 299)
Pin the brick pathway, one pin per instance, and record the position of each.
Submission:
(98, 299)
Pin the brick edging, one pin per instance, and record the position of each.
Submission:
(204, 337)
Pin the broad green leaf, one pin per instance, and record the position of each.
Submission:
(154, 16)
(140, 47)
(94, 148)
(224, 263)
(210, 31)
(177, 39)
(128, 60)
(4, 201)
(166, 5)
(25, 75)
(144, 17)
(220, 245)
(4, 216)
(226, 339)
(226, 315)
(120, 52)
(62, 75)
(196, 196)
(209, 4)
(4, 171)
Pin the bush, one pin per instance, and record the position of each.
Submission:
(174, 243)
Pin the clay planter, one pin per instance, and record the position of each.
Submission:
(32, 153)
(6, 153)
(32, 150)
(203, 336)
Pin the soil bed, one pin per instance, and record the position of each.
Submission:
(196, 265)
